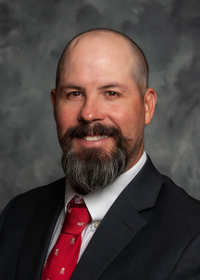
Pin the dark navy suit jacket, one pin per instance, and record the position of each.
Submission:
(151, 232)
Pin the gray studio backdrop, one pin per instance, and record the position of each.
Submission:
(33, 34)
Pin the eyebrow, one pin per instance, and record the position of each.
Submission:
(71, 86)
(113, 85)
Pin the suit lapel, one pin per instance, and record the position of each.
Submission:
(121, 223)
(38, 236)
(114, 233)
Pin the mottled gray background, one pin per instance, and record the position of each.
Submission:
(33, 34)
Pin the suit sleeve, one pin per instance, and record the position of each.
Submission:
(188, 266)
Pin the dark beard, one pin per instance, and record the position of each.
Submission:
(92, 169)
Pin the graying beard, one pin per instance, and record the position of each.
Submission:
(89, 171)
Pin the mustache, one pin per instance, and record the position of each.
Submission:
(83, 130)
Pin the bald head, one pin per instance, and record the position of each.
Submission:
(112, 41)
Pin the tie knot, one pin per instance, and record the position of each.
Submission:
(76, 218)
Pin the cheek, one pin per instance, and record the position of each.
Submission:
(64, 119)
(122, 118)
(130, 122)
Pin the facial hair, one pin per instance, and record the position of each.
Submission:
(91, 169)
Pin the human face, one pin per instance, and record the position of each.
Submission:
(97, 86)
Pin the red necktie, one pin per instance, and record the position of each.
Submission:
(64, 256)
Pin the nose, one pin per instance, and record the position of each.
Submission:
(91, 111)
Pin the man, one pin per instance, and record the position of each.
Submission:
(142, 225)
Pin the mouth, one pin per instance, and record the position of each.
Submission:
(95, 138)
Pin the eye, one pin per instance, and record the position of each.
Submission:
(74, 94)
(111, 93)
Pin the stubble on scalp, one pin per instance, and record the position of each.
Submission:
(140, 70)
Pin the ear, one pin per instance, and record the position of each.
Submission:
(149, 104)
(53, 100)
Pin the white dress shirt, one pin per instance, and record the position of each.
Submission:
(97, 203)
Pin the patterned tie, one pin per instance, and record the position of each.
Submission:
(64, 256)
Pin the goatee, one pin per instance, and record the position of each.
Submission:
(91, 169)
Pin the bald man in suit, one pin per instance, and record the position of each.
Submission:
(143, 226)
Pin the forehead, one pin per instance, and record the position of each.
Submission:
(107, 54)
(110, 46)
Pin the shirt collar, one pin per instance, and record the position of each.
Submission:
(99, 202)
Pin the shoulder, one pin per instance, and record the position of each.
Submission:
(54, 188)
(179, 212)
(169, 195)
(27, 202)
(42, 193)
(168, 204)
(177, 197)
